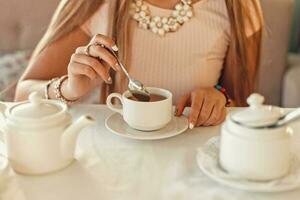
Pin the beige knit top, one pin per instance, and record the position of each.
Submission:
(182, 61)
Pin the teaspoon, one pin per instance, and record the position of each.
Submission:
(136, 87)
(282, 121)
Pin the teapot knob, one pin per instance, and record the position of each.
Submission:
(35, 98)
(255, 100)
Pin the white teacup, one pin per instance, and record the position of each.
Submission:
(144, 116)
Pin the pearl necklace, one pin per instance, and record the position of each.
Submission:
(140, 12)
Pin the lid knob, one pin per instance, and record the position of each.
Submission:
(255, 100)
(35, 98)
(36, 107)
(257, 114)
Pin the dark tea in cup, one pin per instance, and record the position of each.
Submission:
(153, 98)
(144, 116)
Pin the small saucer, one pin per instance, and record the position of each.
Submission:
(208, 161)
(116, 124)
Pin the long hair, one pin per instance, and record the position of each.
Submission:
(238, 76)
(240, 72)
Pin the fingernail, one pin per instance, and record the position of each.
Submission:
(115, 48)
(109, 80)
(191, 125)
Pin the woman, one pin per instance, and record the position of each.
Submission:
(193, 48)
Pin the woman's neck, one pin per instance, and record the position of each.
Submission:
(167, 4)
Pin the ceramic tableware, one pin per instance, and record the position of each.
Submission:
(208, 162)
(116, 124)
(39, 134)
(259, 154)
(144, 116)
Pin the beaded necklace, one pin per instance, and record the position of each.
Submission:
(141, 13)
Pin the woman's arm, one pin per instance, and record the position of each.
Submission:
(67, 56)
(51, 62)
(208, 104)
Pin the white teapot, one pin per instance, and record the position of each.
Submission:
(251, 146)
(39, 134)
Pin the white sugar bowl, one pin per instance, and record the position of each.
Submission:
(250, 151)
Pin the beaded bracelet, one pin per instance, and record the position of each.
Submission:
(223, 91)
(48, 86)
(57, 90)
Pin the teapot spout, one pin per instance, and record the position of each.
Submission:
(69, 138)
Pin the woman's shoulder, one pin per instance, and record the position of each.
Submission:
(101, 21)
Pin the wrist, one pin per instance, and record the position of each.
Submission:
(67, 91)
(224, 99)
(225, 94)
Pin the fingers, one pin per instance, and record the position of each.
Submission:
(82, 69)
(206, 112)
(196, 107)
(93, 64)
(97, 51)
(182, 103)
(211, 111)
(106, 41)
(105, 55)
(222, 117)
(215, 115)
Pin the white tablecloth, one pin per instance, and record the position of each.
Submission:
(112, 167)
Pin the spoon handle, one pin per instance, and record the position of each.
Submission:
(119, 62)
(290, 117)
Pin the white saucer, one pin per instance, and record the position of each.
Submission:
(208, 161)
(116, 124)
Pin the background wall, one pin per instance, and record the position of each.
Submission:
(23, 22)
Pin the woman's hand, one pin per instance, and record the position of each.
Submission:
(207, 107)
(87, 71)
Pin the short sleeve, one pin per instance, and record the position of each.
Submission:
(101, 22)
(256, 17)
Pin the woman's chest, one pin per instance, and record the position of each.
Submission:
(196, 51)
(204, 37)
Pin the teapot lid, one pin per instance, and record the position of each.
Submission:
(257, 114)
(35, 108)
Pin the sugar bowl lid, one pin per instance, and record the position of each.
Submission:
(257, 114)
(36, 108)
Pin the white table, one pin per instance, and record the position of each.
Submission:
(112, 167)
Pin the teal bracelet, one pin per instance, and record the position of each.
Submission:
(223, 91)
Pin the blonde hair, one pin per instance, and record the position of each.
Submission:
(70, 14)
